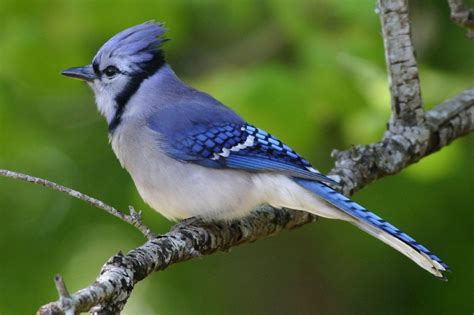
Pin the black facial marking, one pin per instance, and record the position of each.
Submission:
(95, 66)
(147, 70)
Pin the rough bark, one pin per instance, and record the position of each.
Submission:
(462, 15)
(404, 145)
(404, 83)
(411, 135)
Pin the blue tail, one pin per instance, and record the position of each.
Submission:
(381, 229)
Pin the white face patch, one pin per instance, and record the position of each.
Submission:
(106, 91)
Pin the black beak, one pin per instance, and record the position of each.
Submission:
(85, 73)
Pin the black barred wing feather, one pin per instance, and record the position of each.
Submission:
(242, 147)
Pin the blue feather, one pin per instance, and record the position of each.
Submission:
(212, 135)
(262, 164)
(226, 145)
(139, 43)
(357, 211)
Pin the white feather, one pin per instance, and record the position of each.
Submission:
(225, 152)
(419, 258)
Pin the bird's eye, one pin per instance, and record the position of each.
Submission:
(110, 71)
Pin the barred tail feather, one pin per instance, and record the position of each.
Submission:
(379, 228)
(420, 258)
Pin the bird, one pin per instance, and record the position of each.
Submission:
(189, 155)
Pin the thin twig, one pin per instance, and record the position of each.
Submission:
(61, 286)
(134, 218)
(67, 302)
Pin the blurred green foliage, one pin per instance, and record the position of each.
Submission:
(312, 73)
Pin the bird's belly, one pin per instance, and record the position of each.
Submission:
(181, 190)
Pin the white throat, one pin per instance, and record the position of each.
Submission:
(105, 101)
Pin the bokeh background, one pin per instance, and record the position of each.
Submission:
(312, 73)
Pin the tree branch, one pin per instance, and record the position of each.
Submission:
(407, 105)
(134, 218)
(402, 146)
(462, 15)
(188, 239)
(411, 135)
(68, 305)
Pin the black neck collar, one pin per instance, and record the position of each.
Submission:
(147, 70)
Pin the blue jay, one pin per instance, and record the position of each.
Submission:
(189, 155)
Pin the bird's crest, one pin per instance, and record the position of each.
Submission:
(139, 45)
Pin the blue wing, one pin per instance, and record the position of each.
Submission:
(196, 128)
(240, 146)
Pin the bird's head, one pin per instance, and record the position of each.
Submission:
(120, 66)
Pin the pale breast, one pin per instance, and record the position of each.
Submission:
(178, 189)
